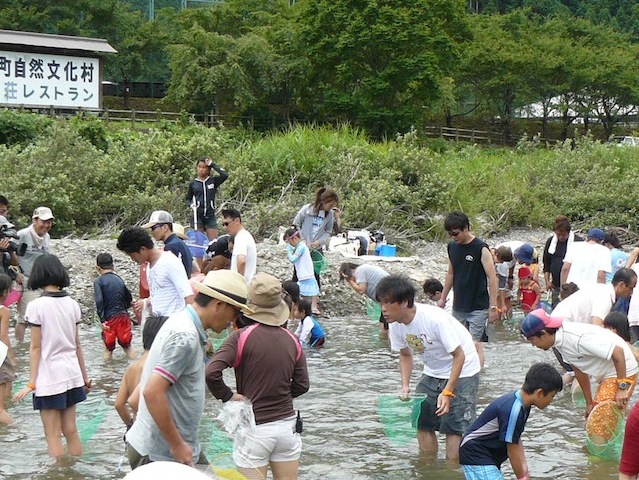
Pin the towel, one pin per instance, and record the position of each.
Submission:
(553, 243)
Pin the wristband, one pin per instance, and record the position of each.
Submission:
(31, 386)
(448, 393)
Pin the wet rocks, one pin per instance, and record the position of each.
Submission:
(338, 299)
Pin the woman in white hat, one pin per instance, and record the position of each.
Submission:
(270, 370)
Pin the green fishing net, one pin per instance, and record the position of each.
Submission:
(398, 416)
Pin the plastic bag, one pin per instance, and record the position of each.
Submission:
(237, 415)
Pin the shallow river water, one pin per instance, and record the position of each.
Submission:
(343, 438)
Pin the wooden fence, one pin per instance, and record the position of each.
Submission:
(465, 135)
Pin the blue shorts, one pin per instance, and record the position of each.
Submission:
(308, 287)
(482, 472)
(462, 407)
(61, 401)
(210, 221)
(474, 321)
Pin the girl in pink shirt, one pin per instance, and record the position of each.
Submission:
(58, 377)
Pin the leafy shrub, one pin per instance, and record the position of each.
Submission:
(402, 187)
(18, 128)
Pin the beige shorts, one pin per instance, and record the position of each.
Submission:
(27, 297)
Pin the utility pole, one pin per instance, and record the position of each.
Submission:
(151, 10)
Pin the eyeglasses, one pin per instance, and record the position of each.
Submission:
(156, 226)
(226, 224)
(454, 233)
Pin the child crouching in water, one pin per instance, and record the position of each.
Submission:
(309, 331)
(300, 256)
(496, 434)
(58, 379)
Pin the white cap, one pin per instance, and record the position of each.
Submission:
(43, 213)
(159, 216)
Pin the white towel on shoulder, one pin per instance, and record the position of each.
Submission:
(553, 243)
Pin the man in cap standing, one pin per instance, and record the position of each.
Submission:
(161, 225)
(172, 382)
(270, 370)
(36, 237)
(587, 262)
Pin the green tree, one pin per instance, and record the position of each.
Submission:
(498, 61)
(378, 64)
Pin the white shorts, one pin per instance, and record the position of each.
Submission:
(269, 442)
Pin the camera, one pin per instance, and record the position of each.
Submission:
(14, 246)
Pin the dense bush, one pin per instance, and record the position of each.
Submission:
(99, 179)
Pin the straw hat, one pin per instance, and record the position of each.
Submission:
(265, 300)
(178, 229)
(226, 286)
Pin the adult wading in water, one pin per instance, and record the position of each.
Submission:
(315, 223)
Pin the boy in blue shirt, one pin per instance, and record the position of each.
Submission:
(495, 435)
(112, 302)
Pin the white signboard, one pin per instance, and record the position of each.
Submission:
(38, 79)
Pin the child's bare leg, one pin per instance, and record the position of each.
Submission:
(51, 420)
(70, 431)
(314, 303)
(107, 354)
(5, 392)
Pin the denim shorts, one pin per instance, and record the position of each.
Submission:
(463, 405)
(482, 472)
(474, 321)
(210, 221)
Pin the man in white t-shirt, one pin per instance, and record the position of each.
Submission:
(593, 303)
(591, 350)
(451, 363)
(587, 263)
(244, 257)
(168, 284)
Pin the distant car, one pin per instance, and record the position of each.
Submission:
(626, 141)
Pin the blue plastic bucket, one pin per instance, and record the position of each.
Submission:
(197, 243)
(388, 250)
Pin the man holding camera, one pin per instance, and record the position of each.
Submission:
(36, 237)
(9, 257)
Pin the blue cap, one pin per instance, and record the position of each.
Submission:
(524, 253)
(596, 234)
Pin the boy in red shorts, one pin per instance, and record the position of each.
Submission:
(112, 302)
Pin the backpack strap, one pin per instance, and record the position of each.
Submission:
(244, 336)
(297, 343)
(241, 342)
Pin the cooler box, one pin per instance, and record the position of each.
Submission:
(386, 250)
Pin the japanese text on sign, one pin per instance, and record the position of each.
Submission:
(33, 79)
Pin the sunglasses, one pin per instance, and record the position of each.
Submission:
(156, 226)
(454, 233)
(227, 223)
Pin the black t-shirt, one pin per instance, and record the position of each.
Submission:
(469, 277)
(555, 261)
